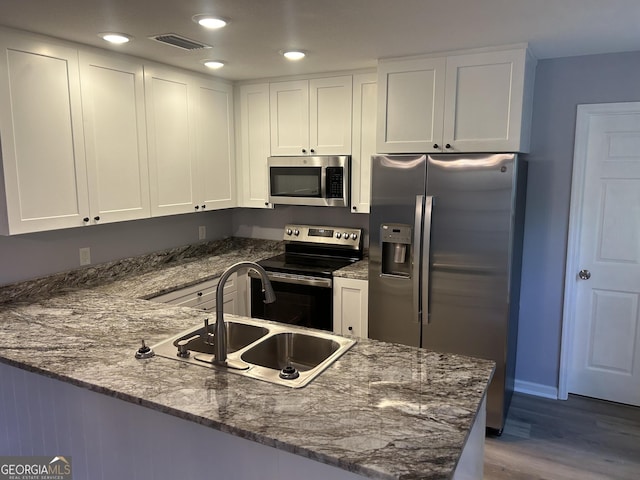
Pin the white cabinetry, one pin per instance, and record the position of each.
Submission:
(311, 116)
(115, 138)
(364, 140)
(254, 145)
(467, 102)
(203, 296)
(350, 307)
(189, 123)
(43, 157)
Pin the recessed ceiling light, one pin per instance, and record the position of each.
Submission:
(294, 54)
(213, 64)
(116, 38)
(209, 21)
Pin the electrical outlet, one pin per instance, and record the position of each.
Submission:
(202, 232)
(85, 256)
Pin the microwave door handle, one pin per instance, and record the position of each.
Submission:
(415, 257)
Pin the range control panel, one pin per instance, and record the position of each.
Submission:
(323, 235)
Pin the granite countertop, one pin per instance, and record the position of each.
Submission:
(382, 410)
(357, 271)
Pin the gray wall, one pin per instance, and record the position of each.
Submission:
(34, 255)
(561, 85)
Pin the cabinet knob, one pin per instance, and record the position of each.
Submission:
(354, 208)
(304, 150)
(266, 204)
(448, 145)
(313, 151)
(350, 328)
(85, 219)
(197, 207)
(199, 294)
(204, 206)
(97, 219)
(435, 145)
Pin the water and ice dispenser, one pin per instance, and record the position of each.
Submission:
(396, 249)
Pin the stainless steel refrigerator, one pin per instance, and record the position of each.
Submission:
(445, 247)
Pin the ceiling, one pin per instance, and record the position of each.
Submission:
(337, 34)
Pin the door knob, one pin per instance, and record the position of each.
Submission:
(584, 274)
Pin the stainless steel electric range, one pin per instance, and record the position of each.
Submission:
(302, 277)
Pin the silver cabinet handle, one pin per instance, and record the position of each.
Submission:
(584, 274)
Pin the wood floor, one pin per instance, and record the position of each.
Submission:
(577, 439)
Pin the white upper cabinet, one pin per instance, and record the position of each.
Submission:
(467, 102)
(115, 138)
(215, 144)
(171, 142)
(190, 141)
(311, 117)
(487, 103)
(364, 140)
(410, 105)
(43, 157)
(254, 145)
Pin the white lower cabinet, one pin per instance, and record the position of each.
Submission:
(203, 296)
(350, 307)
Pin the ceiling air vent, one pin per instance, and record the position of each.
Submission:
(178, 41)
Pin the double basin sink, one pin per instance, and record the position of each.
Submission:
(272, 352)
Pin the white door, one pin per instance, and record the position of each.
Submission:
(603, 268)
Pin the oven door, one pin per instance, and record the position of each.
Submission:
(307, 302)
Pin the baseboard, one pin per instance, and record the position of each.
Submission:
(536, 389)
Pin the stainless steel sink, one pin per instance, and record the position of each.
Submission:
(273, 352)
(300, 350)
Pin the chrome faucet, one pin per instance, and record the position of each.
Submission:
(220, 328)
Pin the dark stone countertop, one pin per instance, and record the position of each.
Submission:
(382, 410)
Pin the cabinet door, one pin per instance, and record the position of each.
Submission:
(215, 145)
(330, 115)
(484, 101)
(364, 140)
(350, 306)
(171, 141)
(42, 137)
(410, 105)
(115, 138)
(255, 146)
(289, 112)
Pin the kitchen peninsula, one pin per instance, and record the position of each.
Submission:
(381, 411)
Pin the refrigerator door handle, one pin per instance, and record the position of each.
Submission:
(426, 257)
(417, 255)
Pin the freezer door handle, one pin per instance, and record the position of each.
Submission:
(426, 257)
(417, 242)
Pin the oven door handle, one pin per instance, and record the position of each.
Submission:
(296, 279)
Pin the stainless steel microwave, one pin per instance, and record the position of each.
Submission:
(309, 180)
